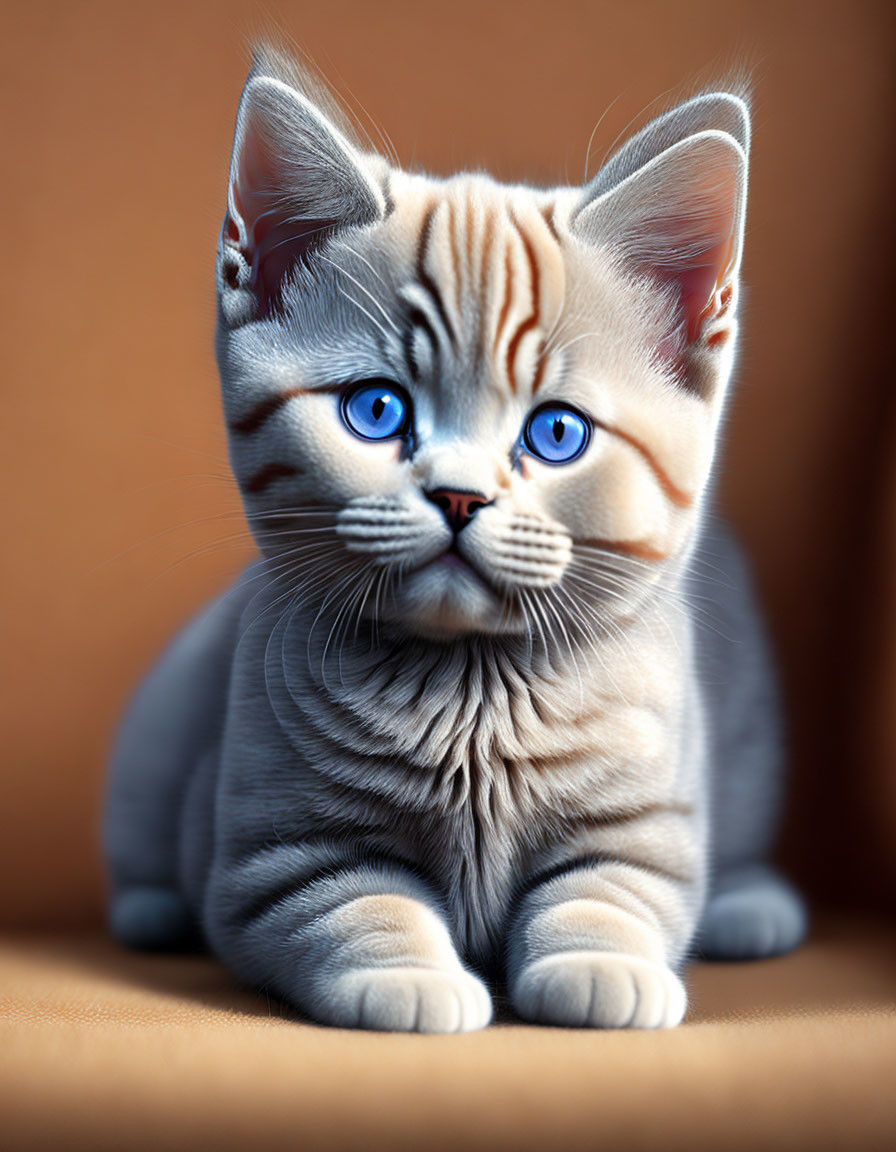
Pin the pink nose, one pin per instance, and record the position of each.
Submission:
(458, 508)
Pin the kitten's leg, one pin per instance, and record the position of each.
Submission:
(169, 731)
(596, 946)
(353, 945)
(753, 913)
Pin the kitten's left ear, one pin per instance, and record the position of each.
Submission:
(711, 111)
(294, 177)
(679, 220)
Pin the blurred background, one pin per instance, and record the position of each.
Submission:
(120, 516)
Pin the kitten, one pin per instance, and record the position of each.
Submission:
(461, 721)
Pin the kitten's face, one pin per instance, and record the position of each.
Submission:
(463, 414)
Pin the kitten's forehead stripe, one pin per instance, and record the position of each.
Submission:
(485, 267)
(419, 321)
(407, 346)
(455, 255)
(508, 295)
(471, 212)
(532, 319)
(424, 278)
(548, 213)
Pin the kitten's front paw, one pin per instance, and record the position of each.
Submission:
(599, 990)
(409, 1000)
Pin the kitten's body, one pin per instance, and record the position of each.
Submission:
(375, 762)
(477, 822)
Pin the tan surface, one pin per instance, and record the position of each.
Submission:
(109, 1050)
(116, 123)
(116, 130)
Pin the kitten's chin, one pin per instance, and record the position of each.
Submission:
(448, 598)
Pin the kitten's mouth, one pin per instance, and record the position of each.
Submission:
(452, 560)
(450, 596)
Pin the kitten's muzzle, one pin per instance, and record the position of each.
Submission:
(458, 508)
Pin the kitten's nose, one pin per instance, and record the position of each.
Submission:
(458, 508)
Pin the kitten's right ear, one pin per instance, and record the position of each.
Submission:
(294, 176)
(679, 221)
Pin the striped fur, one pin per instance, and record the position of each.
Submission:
(398, 759)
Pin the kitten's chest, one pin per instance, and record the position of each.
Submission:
(471, 767)
(467, 735)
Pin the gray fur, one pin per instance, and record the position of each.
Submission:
(369, 779)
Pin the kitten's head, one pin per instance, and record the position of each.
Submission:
(467, 406)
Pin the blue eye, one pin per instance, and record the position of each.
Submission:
(556, 435)
(376, 411)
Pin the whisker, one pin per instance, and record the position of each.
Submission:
(603, 116)
(548, 601)
(359, 256)
(382, 331)
(366, 292)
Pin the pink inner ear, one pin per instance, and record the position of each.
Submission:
(696, 286)
(276, 236)
(280, 244)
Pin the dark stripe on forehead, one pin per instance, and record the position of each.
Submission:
(548, 213)
(488, 237)
(468, 202)
(418, 321)
(407, 345)
(426, 280)
(531, 320)
(508, 296)
(455, 251)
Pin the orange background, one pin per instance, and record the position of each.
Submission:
(120, 516)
